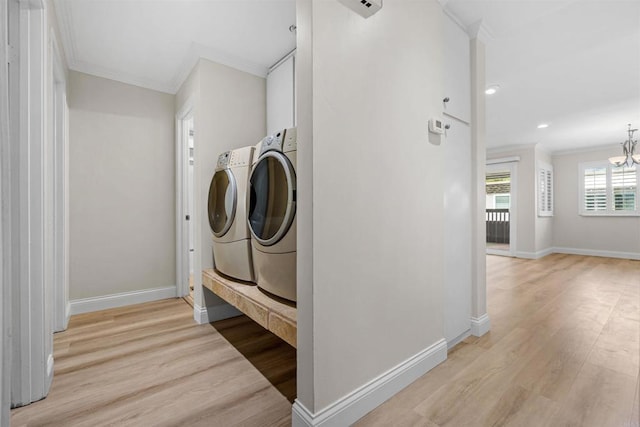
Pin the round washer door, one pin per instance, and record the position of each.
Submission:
(272, 205)
(223, 195)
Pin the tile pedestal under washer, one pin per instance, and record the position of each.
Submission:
(227, 206)
(272, 213)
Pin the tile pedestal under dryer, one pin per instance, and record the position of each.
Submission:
(228, 200)
(272, 213)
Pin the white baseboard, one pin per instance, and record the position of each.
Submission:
(458, 339)
(87, 305)
(534, 255)
(593, 252)
(67, 315)
(204, 315)
(480, 325)
(358, 403)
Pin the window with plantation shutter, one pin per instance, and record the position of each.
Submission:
(609, 190)
(624, 185)
(595, 189)
(545, 189)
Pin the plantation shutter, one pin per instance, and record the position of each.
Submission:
(595, 189)
(623, 185)
(545, 190)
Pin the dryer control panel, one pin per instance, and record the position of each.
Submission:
(284, 141)
(272, 142)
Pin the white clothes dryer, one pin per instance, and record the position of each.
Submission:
(227, 207)
(272, 213)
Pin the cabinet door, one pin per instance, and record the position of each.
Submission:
(457, 229)
(281, 97)
(457, 77)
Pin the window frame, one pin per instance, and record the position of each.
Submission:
(609, 211)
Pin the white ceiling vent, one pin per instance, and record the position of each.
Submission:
(365, 8)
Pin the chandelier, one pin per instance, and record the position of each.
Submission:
(628, 148)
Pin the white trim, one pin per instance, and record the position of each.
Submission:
(479, 30)
(281, 61)
(480, 325)
(507, 148)
(599, 253)
(60, 177)
(204, 315)
(534, 255)
(5, 224)
(503, 160)
(580, 150)
(457, 340)
(32, 318)
(88, 305)
(186, 112)
(362, 400)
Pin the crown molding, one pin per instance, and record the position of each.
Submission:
(515, 147)
(119, 76)
(196, 51)
(479, 30)
(590, 149)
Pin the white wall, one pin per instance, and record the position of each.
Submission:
(377, 213)
(598, 234)
(122, 188)
(230, 112)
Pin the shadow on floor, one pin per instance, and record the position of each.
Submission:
(270, 355)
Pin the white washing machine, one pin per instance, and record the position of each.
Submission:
(272, 213)
(227, 206)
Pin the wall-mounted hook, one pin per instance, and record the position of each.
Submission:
(446, 99)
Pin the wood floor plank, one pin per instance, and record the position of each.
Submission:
(150, 364)
(562, 350)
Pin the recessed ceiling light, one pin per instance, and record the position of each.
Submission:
(492, 89)
(543, 125)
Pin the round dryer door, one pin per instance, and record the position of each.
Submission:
(272, 198)
(223, 195)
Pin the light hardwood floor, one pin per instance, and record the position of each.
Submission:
(151, 365)
(563, 350)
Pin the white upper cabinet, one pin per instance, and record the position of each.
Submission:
(457, 80)
(281, 96)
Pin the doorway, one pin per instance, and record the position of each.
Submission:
(500, 208)
(185, 207)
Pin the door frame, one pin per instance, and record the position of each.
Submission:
(510, 164)
(186, 112)
(59, 132)
(31, 293)
(5, 223)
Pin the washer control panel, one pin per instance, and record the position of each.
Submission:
(241, 157)
(223, 160)
(235, 158)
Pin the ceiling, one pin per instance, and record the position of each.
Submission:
(573, 64)
(155, 44)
